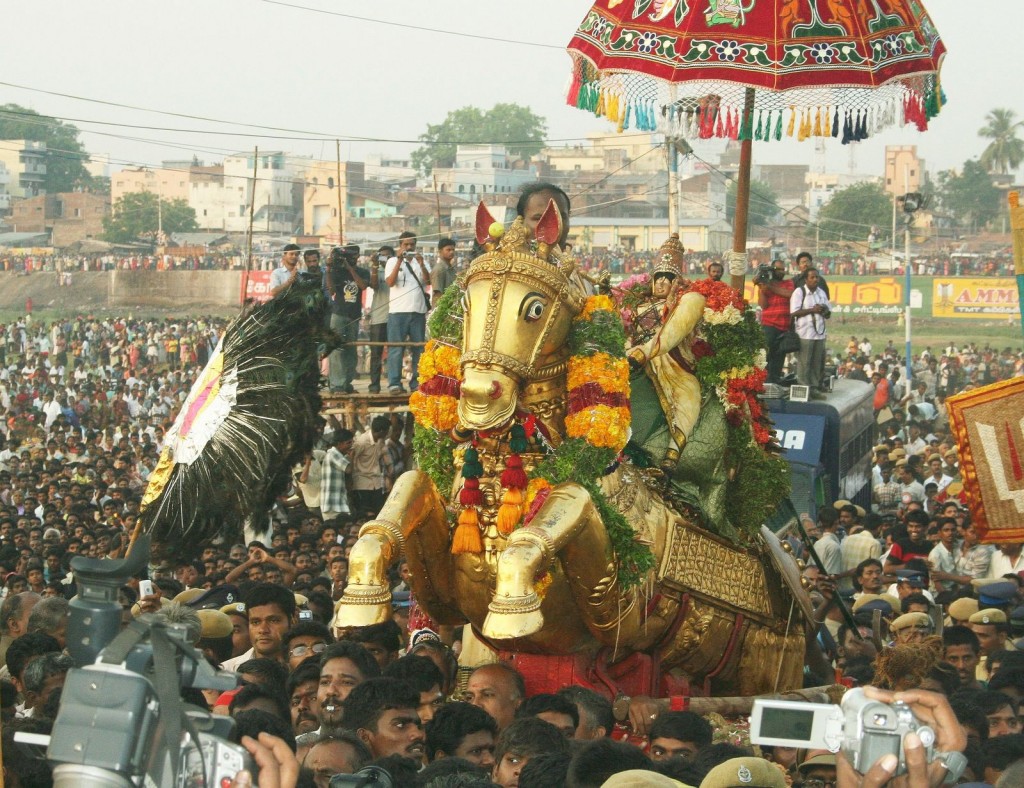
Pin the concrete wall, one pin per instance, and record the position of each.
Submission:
(184, 290)
(174, 288)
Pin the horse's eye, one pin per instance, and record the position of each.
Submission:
(534, 311)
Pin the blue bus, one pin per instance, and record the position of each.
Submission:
(827, 444)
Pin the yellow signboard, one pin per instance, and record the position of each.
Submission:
(977, 298)
(860, 296)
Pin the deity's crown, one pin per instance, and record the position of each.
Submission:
(670, 257)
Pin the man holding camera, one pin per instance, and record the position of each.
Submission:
(773, 294)
(810, 308)
(379, 311)
(282, 277)
(345, 286)
(406, 274)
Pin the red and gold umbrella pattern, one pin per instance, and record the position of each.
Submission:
(819, 68)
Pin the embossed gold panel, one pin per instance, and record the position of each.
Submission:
(695, 561)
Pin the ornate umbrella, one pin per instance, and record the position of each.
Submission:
(758, 70)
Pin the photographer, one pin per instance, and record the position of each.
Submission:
(810, 308)
(407, 276)
(773, 294)
(345, 285)
(378, 314)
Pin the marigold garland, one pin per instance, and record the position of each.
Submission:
(435, 403)
(598, 378)
(602, 416)
(600, 425)
(611, 374)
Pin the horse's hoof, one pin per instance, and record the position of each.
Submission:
(509, 619)
(362, 606)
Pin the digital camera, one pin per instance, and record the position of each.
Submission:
(862, 728)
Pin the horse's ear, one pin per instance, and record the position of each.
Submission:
(549, 228)
(484, 220)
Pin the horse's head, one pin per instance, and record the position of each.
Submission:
(518, 308)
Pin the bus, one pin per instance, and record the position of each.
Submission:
(828, 445)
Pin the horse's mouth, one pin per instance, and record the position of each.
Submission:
(486, 414)
(488, 399)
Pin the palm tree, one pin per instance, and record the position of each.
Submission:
(1006, 150)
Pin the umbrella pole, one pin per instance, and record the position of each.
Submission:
(739, 232)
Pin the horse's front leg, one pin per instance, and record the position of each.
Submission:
(569, 527)
(413, 503)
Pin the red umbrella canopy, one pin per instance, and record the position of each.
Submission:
(854, 65)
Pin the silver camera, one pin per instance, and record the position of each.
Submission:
(862, 728)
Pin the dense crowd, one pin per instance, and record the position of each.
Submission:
(910, 602)
(628, 263)
(624, 262)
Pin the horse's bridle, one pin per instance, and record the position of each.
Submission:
(549, 278)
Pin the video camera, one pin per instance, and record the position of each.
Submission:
(342, 254)
(763, 273)
(862, 728)
(121, 721)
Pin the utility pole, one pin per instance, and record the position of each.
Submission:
(252, 208)
(673, 178)
(341, 208)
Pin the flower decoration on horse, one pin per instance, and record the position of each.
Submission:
(527, 517)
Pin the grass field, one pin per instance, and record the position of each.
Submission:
(926, 332)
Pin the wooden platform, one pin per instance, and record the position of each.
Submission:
(355, 411)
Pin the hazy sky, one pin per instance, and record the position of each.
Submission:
(263, 63)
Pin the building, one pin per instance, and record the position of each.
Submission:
(482, 169)
(98, 165)
(323, 191)
(788, 182)
(5, 185)
(165, 182)
(645, 153)
(25, 160)
(641, 154)
(904, 171)
(697, 235)
(389, 169)
(69, 217)
(822, 185)
(276, 195)
(206, 196)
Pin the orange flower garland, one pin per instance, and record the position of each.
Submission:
(598, 383)
(435, 403)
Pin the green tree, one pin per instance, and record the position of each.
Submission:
(139, 214)
(1005, 152)
(969, 196)
(517, 127)
(853, 211)
(764, 204)
(65, 154)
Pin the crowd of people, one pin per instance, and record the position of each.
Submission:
(629, 263)
(910, 603)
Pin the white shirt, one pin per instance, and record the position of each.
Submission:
(405, 294)
(233, 663)
(1002, 565)
(809, 326)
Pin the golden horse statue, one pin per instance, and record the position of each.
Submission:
(727, 619)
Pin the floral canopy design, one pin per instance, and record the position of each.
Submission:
(820, 67)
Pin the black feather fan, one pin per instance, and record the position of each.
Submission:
(251, 415)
